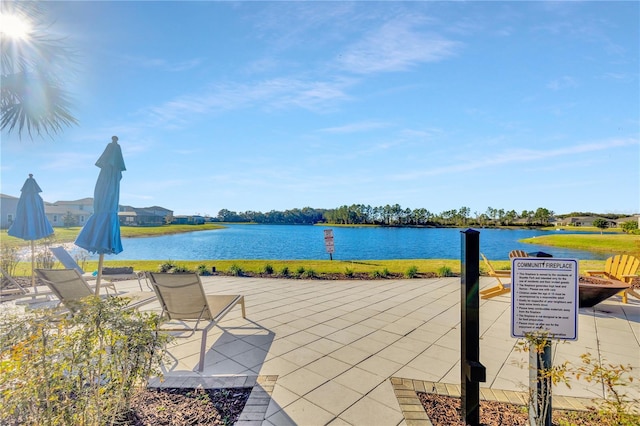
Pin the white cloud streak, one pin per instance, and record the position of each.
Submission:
(519, 156)
(396, 46)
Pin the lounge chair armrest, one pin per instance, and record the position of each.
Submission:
(593, 273)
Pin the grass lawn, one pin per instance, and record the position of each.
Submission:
(606, 243)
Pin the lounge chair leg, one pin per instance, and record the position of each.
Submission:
(244, 313)
(203, 350)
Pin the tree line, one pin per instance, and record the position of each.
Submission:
(392, 215)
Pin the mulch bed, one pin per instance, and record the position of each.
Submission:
(188, 407)
(445, 411)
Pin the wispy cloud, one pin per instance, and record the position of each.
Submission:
(279, 93)
(520, 156)
(564, 82)
(362, 126)
(397, 45)
(161, 63)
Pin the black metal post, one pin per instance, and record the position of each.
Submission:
(472, 371)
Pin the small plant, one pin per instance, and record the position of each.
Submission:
(80, 370)
(9, 259)
(300, 270)
(616, 408)
(236, 270)
(44, 258)
(284, 271)
(376, 274)
(349, 272)
(179, 269)
(385, 273)
(444, 271)
(412, 272)
(268, 269)
(203, 270)
(166, 266)
(309, 273)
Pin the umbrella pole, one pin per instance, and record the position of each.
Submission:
(100, 262)
(33, 268)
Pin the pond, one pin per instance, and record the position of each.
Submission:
(351, 243)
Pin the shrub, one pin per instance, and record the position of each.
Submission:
(203, 270)
(268, 269)
(9, 259)
(179, 269)
(385, 273)
(300, 270)
(376, 274)
(309, 273)
(284, 271)
(166, 266)
(444, 271)
(79, 370)
(412, 272)
(349, 272)
(236, 270)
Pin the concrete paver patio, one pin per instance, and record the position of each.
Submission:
(323, 352)
(333, 345)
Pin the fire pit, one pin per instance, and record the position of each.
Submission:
(593, 290)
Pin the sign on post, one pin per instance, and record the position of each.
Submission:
(328, 242)
(544, 297)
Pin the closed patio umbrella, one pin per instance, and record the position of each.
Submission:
(30, 223)
(101, 233)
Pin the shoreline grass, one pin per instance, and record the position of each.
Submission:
(326, 268)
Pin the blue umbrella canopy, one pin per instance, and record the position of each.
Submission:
(101, 233)
(30, 222)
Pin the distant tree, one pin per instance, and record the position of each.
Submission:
(630, 227)
(600, 224)
(69, 220)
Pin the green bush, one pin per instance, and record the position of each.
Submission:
(412, 272)
(444, 271)
(236, 270)
(82, 370)
(375, 274)
(166, 266)
(268, 269)
(179, 269)
(349, 272)
(300, 270)
(385, 273)
(284, 271)
(309, 273)
(203, 270)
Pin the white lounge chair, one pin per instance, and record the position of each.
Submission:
(70, 288)
(183, 300)
(108, 274)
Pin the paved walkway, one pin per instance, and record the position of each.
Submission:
(324, 352)
(336, 352)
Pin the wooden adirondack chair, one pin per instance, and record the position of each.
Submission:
(499, 289)
(622, 268)
(517, 253)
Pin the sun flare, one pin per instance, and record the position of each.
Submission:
(14, 26)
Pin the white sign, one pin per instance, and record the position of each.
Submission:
(544, 297)
(328, 241)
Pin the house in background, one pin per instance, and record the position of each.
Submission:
(8, 205)
(65, 215)
(84, 204)
(188, 220)
(76, 213)
(144, 216)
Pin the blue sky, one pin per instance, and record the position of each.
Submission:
(276, 105)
